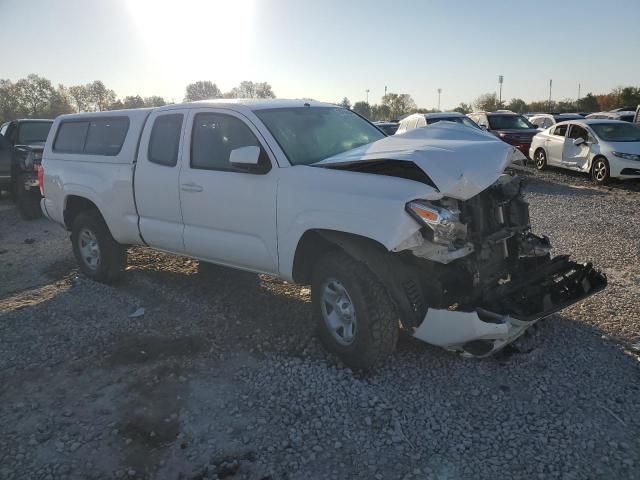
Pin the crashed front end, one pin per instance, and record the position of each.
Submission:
(469, 274)
(484, 276)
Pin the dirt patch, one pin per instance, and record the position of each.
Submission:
(143, 349)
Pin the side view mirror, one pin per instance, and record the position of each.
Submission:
(578, 141)
(483, 127)
(247, 159)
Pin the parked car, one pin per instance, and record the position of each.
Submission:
(421, 230)
(20, 153)
(419, 120)
(624, 116)
(389, 128)
(545, 120)
(604, 148)
(512, 128)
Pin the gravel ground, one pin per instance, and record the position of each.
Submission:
(222, 376)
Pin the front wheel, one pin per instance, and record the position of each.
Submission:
(355, 317)
(600, 171)
(540, 158)
(99, 256)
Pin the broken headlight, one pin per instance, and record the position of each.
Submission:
(443, 222)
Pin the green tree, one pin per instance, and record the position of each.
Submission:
(201, 90)
(9, 101)
(588, 103)
(80, 97)
(154, 101)
(133, 101)
(248, 89)
(463, 108)
(629, 97)
(487, 102)
(362, 108)
(398, 104)
(34, 93)
(346, 103)
(59, 102)
(517, 105)
(380, 112)
(100, 96)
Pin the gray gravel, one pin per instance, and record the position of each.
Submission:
(223, 378)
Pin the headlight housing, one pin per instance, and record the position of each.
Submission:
(627, 156)
(443, 222)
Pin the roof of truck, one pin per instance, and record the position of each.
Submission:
(251, 104)
(260, 103)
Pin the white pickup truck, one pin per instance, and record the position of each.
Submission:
(422, 231)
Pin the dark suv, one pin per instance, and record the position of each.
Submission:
(510, 127)
(21, 146)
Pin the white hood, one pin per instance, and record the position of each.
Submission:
(462, 161)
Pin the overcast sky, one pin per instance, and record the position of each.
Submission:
(328, 49)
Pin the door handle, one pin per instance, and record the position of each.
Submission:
(191, 187)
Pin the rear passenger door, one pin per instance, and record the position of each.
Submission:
(555, 144)
(156, 181)
(229, 215)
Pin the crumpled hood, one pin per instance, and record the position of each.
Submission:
(462, 161)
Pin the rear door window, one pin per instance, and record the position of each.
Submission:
(71, 137)
(165, 139)
(560, 130)
(106, 136)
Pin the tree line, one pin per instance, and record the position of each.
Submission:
(394, 106)
(37, 97)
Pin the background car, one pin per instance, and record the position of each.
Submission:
(20, 156)
(622, 115)
(604, 148)
(419, 120)
(387, 127)
(511, 127)
(546, 120)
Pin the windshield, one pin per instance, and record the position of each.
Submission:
(33, 132)
(310, 134)
(617, 132)
(463, 120)
(562, 118)
(509, 122)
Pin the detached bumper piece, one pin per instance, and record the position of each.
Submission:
(521, 303)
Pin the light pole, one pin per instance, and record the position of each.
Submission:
(500, 80)
(550, 85)
(385, 90)
(578, 101)
(367, 90)
(439, 92)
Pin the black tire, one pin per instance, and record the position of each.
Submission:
(112, 257)
(600, 171)
(27, 201)
(376, 317)
(540, 159)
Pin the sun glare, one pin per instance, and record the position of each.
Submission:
(198, 39)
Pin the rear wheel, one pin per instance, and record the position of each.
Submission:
(27, 201)
(100, 257)
(600, 170)
(540, 159)
(355, 317)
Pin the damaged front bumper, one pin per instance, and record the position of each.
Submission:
(483, 331)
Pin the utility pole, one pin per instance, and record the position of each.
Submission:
(578, 101)
(500, 80)
(550, 85)
(367, 90)
(439, 92)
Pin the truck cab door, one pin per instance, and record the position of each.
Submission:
(576, 157)
(156, 180)
(5, 162)
(229, 213)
